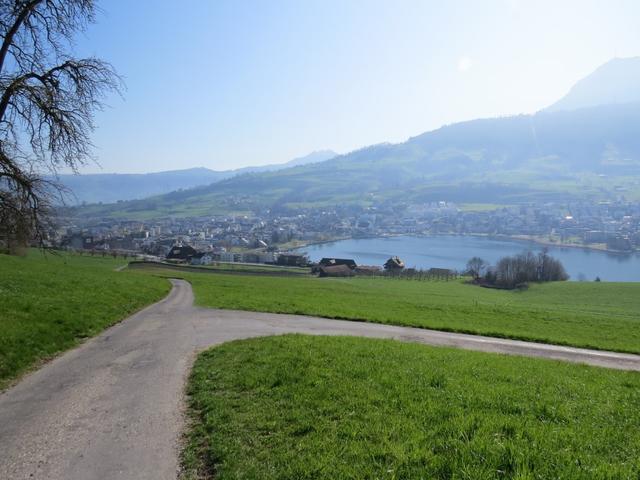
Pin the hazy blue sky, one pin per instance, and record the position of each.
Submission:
(225, 84)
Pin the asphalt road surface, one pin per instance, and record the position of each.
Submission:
(112, 408)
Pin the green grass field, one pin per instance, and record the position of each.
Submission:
(226, 267)
(240, 267)
(50, 303)
(300, 407)
(596, 315)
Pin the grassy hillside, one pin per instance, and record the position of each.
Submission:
(597, 315)
(298, 407)
(548, 156)
(51, 303)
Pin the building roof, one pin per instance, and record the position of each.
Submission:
(394, 262)
(182, 252)
(336, 271)
(332, 262)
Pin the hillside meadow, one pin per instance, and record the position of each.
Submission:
(594, 315)
(301, 407)
(51, 302)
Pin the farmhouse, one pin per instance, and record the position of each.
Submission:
(335, 271)
(394, 263)
(333, 262)
(181, 253)
(370, 270)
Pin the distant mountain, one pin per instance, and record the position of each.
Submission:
(313, 157)
(542, 157)
(615, 82)
(114, 187)
(587, 145)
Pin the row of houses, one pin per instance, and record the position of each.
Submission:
(347, 267)
(188, 254)
(326, 267)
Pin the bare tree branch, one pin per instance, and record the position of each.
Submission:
(47, 103)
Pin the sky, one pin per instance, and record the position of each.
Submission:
(226, 84)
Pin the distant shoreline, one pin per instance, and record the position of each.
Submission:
(593, 248)
(519, 238)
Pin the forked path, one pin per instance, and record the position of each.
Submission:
(112, 408)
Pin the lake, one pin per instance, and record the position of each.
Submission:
(453, 252)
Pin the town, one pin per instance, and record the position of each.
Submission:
(268, 237)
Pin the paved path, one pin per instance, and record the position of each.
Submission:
(111, 409)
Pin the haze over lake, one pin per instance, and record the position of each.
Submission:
(454, 251)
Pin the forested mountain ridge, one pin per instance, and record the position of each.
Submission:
(545, 156)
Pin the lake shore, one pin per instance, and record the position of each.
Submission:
(453, 252)
(520, 238)
(548, 243)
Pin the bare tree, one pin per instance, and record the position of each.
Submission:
(476, 267)
(526, 267)
(47, 102)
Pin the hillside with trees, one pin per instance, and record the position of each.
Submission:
(565, 155)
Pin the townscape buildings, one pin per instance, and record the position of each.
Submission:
(267, 237)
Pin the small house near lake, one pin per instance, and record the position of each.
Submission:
(368, 270)
(334, 262)
(181, 253)
(394, 264)
(335, 271)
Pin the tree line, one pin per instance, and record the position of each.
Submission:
(517, 270)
